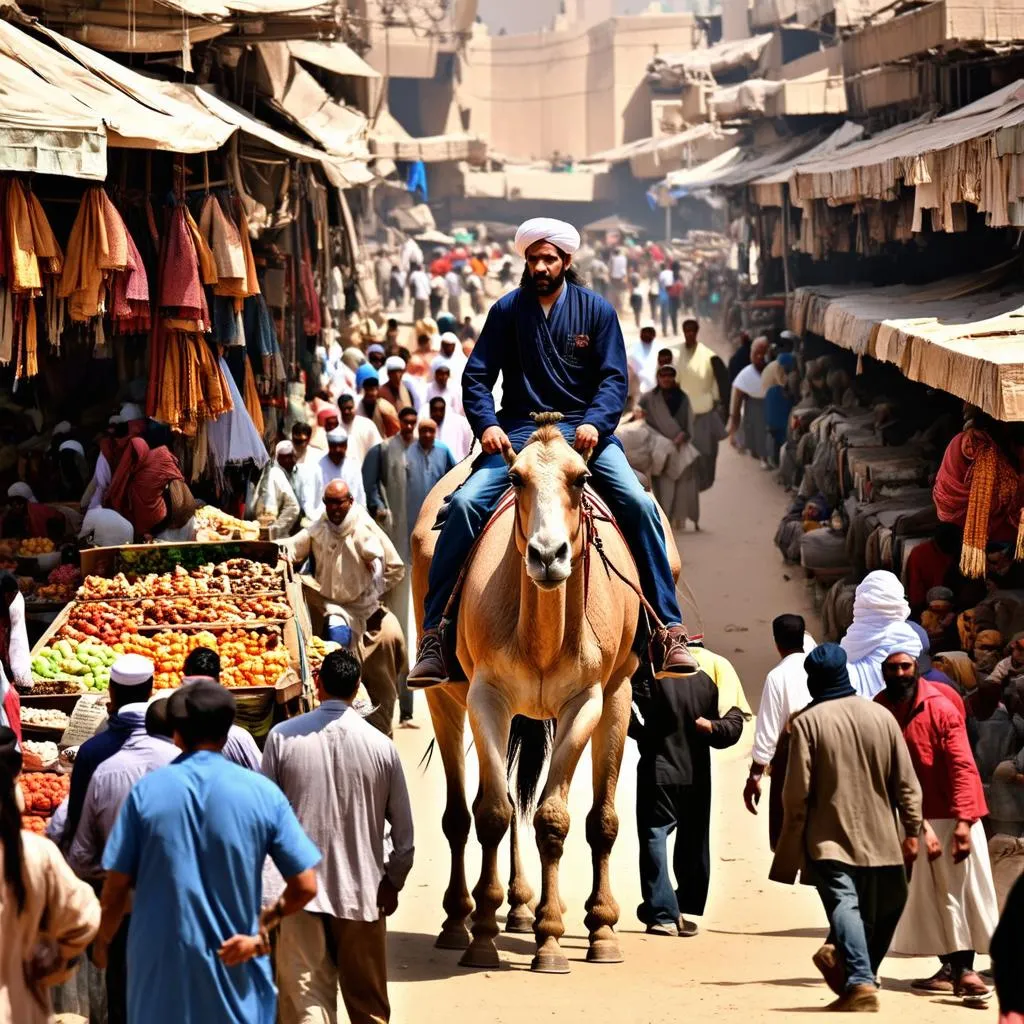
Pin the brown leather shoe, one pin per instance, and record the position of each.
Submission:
(940, 983)
(971, 986)
(856, 999)
(669, 654)
(429, 669)
(830, 963)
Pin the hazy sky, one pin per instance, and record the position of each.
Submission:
(527, 15)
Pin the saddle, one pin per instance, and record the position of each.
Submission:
(594, 510)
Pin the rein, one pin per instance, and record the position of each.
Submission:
(590, 514)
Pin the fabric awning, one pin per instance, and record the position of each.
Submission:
(652, 157)
(873, 168)
(154, 124)
(333, 56)
(964, 335)
(337, 128)
(749, 97)
(388, 138)
(46, 131)
(672, 70)
(767, 189)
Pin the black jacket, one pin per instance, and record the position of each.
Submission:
(672, 751)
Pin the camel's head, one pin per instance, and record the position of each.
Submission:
(548, 476)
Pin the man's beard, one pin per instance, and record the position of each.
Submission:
(545, 285)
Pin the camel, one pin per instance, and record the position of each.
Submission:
(532, 646)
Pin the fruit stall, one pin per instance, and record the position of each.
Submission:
(162, 601)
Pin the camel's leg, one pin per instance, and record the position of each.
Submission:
(520, 895)
(490, 719)
(449, 719)
(576, 723)
(603, 823)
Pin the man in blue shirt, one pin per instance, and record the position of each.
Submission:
(558, 348)
(191, 839)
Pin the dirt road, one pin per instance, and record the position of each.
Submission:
(751, 961)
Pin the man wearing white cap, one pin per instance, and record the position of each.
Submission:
(395, 389)
(642, 358)
(558, 348)
(440, 385)
(275, 500)
(131, 683)
(336, 465)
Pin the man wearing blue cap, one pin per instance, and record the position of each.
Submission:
(371, 405)
(848, 770)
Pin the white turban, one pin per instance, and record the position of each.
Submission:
(375, 350)
(450, 338)
(62, 428)
(394, 363)
(880, 611)
(284, 448)
(440, 363)
(130, 411)
(338, 436)
(545, 229)
(72, 446)
(21, 490)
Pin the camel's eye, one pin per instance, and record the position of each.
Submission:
(580, 480)
(515, 479)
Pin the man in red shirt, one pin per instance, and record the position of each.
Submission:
(951, 908)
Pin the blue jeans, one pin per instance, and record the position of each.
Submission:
(863, 907)
(471, 506)
(662, 809)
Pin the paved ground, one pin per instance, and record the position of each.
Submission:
(752, 960)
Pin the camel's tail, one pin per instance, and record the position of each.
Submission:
(529, 743)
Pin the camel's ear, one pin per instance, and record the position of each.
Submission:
(587, 455)
(510, 456)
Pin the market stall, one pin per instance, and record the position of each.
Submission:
(162, 601)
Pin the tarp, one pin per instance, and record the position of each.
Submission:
(652, 157)
(749, 97)
(671, 70)
(156, 124)
(337, 128)
(964, 335)
(872, 168)
(44, 130)
(334, 56)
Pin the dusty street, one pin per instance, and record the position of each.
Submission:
(751, 961)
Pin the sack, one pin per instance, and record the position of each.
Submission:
(180, 503)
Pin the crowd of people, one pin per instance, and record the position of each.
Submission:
(266, 877)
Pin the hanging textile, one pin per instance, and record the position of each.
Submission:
(186, 383)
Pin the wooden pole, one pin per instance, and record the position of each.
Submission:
(785, 240)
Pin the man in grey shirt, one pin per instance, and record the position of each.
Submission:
(344, 780)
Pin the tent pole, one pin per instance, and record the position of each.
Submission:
(668, 224)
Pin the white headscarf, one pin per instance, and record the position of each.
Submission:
(546, 229)
(107, 528)
(880, 613)
(72, 446)
(284, 448)
(394, 363)
(21, 490)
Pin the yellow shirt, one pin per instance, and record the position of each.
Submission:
(723, 675)
(697, 378)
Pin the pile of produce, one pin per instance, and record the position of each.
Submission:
(35, 546)
(234, 576)
(98, 620)
(86, 664)
(247, 658)
(317, 649)
(44, 718)
(33, 823)
(185, 612)
(55, 593)
(39, 753)
(43, 791)
(42, 687)
(213, 525)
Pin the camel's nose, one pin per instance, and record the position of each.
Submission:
(547, 558)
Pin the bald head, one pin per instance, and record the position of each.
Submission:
(337, 501)
(759, 353)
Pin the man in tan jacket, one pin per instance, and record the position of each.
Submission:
(356, 565)
(849, 770)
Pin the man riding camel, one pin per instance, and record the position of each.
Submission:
(559, 348)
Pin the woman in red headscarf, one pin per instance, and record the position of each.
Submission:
(149, 490)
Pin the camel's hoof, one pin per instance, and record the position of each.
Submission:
(453, 938)
(550, 963)
(484, 956)
(604, 951)
(519, 921)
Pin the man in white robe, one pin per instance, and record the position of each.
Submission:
(453, 429)
(336, 465)
(275, 499)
